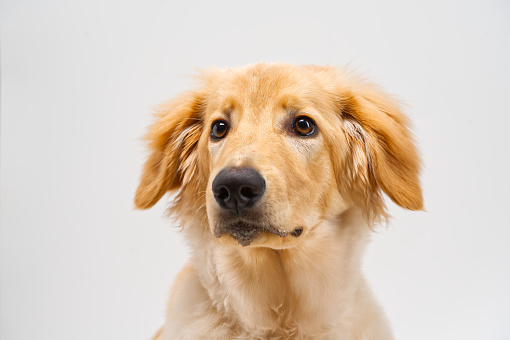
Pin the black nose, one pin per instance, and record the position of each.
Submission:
(237, 189)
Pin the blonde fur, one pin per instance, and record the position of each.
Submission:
(330, 185)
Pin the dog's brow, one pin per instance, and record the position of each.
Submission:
(289, 101)
(228, 104)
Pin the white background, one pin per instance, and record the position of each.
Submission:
(78, 84)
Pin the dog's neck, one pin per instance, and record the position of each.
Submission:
(266, 290)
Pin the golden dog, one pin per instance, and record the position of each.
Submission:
(280, 171)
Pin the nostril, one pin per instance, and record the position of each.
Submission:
(222, 193)
(248, 192)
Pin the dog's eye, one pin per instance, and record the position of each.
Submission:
(304, 126)
(219, 129)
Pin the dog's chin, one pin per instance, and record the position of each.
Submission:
(255, 235)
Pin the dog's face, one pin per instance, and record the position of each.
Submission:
(265, 154)
(271, 173)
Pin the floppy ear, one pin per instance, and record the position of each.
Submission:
(383, 152)
(172, 140)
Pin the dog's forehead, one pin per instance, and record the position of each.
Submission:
(264, 88)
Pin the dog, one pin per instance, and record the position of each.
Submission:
(280, 172)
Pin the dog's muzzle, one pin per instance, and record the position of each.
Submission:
(237, 190)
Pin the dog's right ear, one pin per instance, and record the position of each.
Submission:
(173, 140)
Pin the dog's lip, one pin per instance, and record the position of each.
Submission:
(245, 232)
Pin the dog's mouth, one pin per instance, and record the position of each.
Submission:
(244, 232)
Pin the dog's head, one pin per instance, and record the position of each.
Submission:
(264, 154)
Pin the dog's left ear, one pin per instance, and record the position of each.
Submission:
(376, 126)
(173, 142)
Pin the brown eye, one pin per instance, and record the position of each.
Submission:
(219, 129)
(304, 126)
